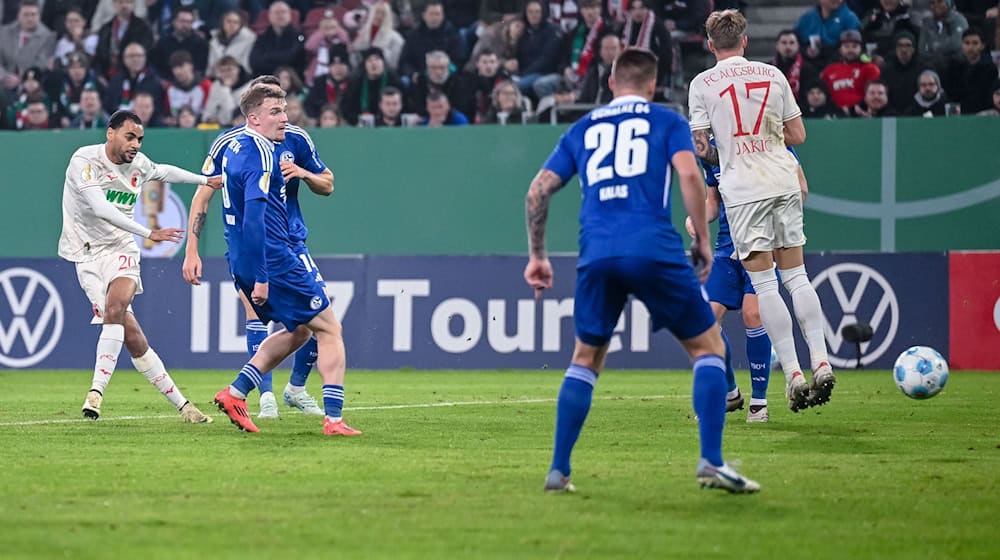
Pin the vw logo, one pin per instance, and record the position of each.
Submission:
(860, 293)
(31, 311)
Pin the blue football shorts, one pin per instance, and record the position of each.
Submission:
(670, 291)
(728, 282)
(293, 297)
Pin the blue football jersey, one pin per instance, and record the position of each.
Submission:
(723, 241)
(247, 165)
(297, 147)
(622, 152)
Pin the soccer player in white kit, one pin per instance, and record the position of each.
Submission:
(103, 182)
(752, 111)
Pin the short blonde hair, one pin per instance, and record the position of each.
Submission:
(726, 29)
(253, 98)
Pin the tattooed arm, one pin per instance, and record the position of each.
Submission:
(196, 224)
(538, 273)
(704, 148)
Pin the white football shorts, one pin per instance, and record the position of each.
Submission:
(95, 277)
(766, 225)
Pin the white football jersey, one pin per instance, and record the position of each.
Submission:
(746, 104)
(85, 237)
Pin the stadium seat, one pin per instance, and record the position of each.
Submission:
(262, 23)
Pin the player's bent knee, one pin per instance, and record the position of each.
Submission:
(708, 342)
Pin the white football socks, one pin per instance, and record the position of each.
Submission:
(151, 366)
(109, 345)
(777, 320)
(808, 311)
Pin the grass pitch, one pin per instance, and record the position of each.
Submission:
(452, 464)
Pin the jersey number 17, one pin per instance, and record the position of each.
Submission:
(750, 86)
(626, 140)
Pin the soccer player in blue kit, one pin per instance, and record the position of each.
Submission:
(298, 160)
(279, 285)
(729, 287)
(624, 153)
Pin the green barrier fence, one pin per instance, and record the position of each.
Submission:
(879, 185)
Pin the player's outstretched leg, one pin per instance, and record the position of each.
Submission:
(256, 333)
(151, 367)
(709, 397)
(810, 316)
(734, 400)
(295, 394)
(572, 408)
(778, 322)
(759, 357)
(109, 346)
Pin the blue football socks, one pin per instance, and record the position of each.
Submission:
(333, 401)
(759, 356)
(305, 359)
(248, 378)
(256, 333)
(571, 412)
(730, 374)
(709, 396)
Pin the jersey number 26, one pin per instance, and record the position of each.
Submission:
(631, 151)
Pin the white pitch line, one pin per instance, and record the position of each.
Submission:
(349, 409)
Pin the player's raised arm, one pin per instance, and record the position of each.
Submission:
(196, 224)
(173, 174)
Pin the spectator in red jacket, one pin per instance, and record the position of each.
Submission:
(847, 79)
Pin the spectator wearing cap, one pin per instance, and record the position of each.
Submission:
(434, 33)
(875, 103)
(378, 30)
(819, 29)
(24, 44)
(116, 35)
(182, 37)
(847, 78)
(816, 103)
(280, 45)
(91, 115)
(941, 34)
(441, 76)
(133, 76)
(318, 45)
(930, 99)
(66, 87)
(31, 87)
(329, 88)
(232, 39)
(993, 111)
(74, 37)
(230, 82)
(365, 88)
(187, 88)
(900, 71)
(883, 22)
(788, 58)
(440, 113)
(969, 78)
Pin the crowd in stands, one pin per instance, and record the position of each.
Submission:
(386, 63)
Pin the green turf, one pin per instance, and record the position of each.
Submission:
(871, 475)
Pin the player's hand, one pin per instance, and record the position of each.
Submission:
(170, 234)
(538, 275)
(701, 259)
(214, 182)
(689, 226)
(259, 294)
(291, 171)
(192, 269)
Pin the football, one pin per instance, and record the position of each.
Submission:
(920, 372)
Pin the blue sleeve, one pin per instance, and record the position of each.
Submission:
(710, 174)
(561, 160)
(679, 139)
(306, 155)
(794, 153)
(255, 238)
